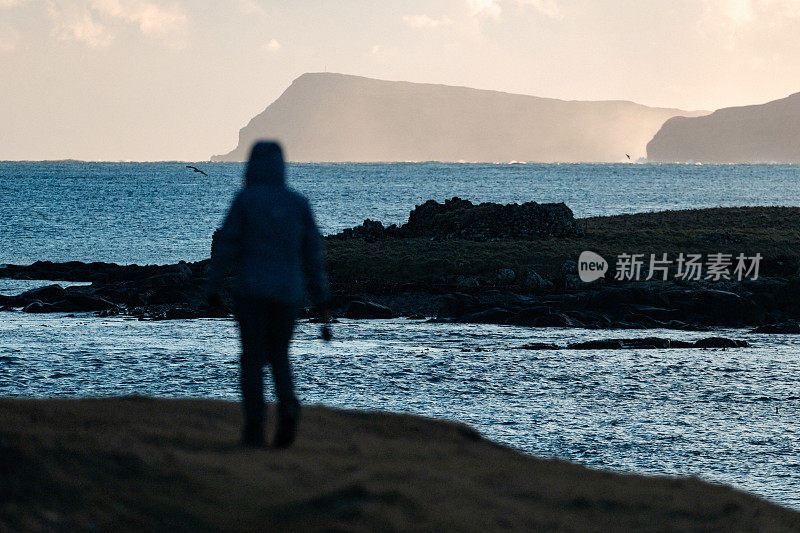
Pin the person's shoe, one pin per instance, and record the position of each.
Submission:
(286, 432)
(253, 438)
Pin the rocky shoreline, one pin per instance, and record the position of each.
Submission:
(772, 305)
(455, 262)
(461, 219)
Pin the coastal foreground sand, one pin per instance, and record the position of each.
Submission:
(141, 463)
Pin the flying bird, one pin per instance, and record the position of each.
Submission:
(628, 156)
(196, 170)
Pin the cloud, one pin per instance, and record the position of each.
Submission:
(11, 3)
(549, 8)
(742, 13)
(424, 21)
(250, 7)
(380, 50)
(77, 23)
(9, 37)
(272, 46)
(728, 21)
(484, 8)
(494, 8)
(92, 21)
(166, 22)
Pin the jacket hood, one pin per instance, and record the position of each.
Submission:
(266, 165)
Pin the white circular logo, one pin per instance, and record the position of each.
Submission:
(591, 266)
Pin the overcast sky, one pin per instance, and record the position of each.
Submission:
(176, 79)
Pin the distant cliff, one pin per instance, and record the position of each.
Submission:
(336, 117)
(764, 133)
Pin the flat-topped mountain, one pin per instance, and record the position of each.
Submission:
(337, 117)
(766, 133)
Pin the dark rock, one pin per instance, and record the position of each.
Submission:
(456, 305)
(648, 343)
(131, 297)
(181, 271)
(569, 267)
(177, 313)
(681, 344)
(461, 219)
(505, 276)
(604, 344)
(72, 303)
(495, 315)
(85, 302)
(655, 343)
(612, 298)
(573, 282)
(535, 282)
(790, 295)
(369, 230)
(677, 324)
(528, 315)
(505, 299)
(468, 282)
(356, 309)
(643, 321)
(49, 293)
(555, 320)
(791, 327)
(359, 309)
(621, 324)
(657, 313)
(592, 318)
(39, 307)
(170, 313)
(726, 308)
(720, 342)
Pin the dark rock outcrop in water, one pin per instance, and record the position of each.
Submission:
(666, 305)
(767, 133)
(336, 117)
(643, 343)
(175, 292)
(785, 328)
(461, 219)
(155, 291)
(458, 279)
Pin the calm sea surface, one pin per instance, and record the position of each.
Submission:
(724, 415)
(164, 212)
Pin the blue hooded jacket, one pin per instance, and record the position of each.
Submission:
(269, 238)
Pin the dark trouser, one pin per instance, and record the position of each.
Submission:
(266, 328)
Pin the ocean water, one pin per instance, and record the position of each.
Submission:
(728, 416)
(164, 212)
(724, 415)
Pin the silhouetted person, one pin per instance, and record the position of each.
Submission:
(272, 244)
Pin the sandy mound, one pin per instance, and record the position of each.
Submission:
(154, 464)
